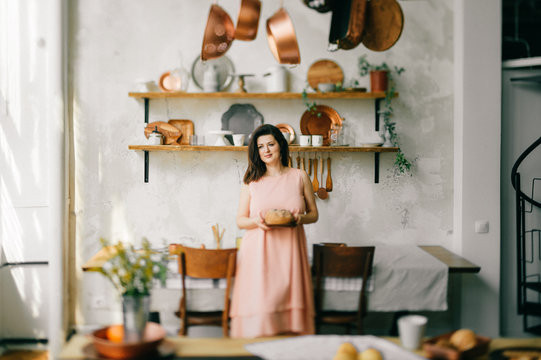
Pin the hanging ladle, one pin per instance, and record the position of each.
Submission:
(322, 192)
(315, 183)
(328, 185)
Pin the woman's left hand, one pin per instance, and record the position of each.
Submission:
(297, 216)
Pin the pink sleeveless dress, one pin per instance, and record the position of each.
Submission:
(272, 292)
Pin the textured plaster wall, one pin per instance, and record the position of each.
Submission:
(115, 43)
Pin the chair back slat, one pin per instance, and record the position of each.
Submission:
(343, 261)
(206, 263)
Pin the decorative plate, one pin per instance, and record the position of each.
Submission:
(224, 67)
(241, 119)
(312, 124)
(287, 129)
(169, 83)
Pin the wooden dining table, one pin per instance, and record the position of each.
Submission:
(227, 348)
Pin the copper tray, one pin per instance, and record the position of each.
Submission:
(287, 129)
(312, 124)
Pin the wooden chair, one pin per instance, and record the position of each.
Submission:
(204, 264)
(341, 261)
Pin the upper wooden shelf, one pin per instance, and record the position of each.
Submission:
(292, 148)
(235, 95)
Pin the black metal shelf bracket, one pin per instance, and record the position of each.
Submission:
(146, 152)
(376, 112)
(376, 167)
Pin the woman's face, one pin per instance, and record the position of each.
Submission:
(268, 148)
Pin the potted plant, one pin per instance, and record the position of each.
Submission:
(132, 272)
(381, 79)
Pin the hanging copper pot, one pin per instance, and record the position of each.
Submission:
(282, 39)
(248, 20)
(219, 34)
(347, 24)
(384, 24)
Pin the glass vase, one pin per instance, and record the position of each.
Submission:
(135, 312)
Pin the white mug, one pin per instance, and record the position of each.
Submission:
(317, 140)
(411, 330)
(305, 140)
(238, 139)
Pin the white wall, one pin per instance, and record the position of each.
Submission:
(477, 157)
(188, 192)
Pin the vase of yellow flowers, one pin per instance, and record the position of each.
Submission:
(133, 273)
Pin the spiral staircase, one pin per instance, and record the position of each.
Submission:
(528, 236)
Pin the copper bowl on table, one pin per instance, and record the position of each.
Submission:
(219, 34)
(282, 39)
(248, 20)
(152, 338)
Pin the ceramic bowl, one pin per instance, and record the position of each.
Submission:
(326, 87)
(153, 336)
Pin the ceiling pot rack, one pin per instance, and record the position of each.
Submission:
(377, 97)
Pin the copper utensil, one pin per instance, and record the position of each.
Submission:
(289, 161)
(302, 163)
(315, 183)
(355, 26)
(282, 38)
(309, 170)
(298, 161)
(328, 185)
(321, 192)
(248, 20)
(219, 33)
(383, 26)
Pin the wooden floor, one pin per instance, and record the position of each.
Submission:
(25, 355)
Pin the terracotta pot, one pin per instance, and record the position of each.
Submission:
(378, 80)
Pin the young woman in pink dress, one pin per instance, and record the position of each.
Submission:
(272, 293)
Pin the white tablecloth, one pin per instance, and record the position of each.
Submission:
(404, 278)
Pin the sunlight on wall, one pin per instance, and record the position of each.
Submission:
(11, 230)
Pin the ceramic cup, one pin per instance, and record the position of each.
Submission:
(317, 140)
(238, 139)
(305, 140)
(411, 330)
(287, 136)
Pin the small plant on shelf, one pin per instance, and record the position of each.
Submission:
(401, 164)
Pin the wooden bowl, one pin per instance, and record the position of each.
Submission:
(434, 350)
(153, 336)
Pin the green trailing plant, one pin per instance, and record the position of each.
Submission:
(131, 271)
(311, 106)
(401, 163)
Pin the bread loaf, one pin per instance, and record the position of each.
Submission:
(278, 217)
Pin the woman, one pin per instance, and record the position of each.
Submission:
(273, 290)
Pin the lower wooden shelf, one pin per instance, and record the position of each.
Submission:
(292, 149)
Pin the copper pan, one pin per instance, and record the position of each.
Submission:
(248, 20)
(355, 26)
(219, 34)
(282, 39)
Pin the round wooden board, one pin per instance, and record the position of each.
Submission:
(383, 24)
(324, 71)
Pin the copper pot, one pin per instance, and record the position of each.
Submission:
(248, 20)
(219, 33)
(282, 39)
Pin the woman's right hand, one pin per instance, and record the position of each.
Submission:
(259, 221)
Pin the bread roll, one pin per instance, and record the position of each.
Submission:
(278, 217)
(463, 339)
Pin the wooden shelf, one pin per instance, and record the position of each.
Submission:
(292, 149)
(234, 95)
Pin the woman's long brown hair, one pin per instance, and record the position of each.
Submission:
(256, 167)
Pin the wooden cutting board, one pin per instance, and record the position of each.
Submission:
(383, 24)
(324, 71)
(170, 133)
(186, 128)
